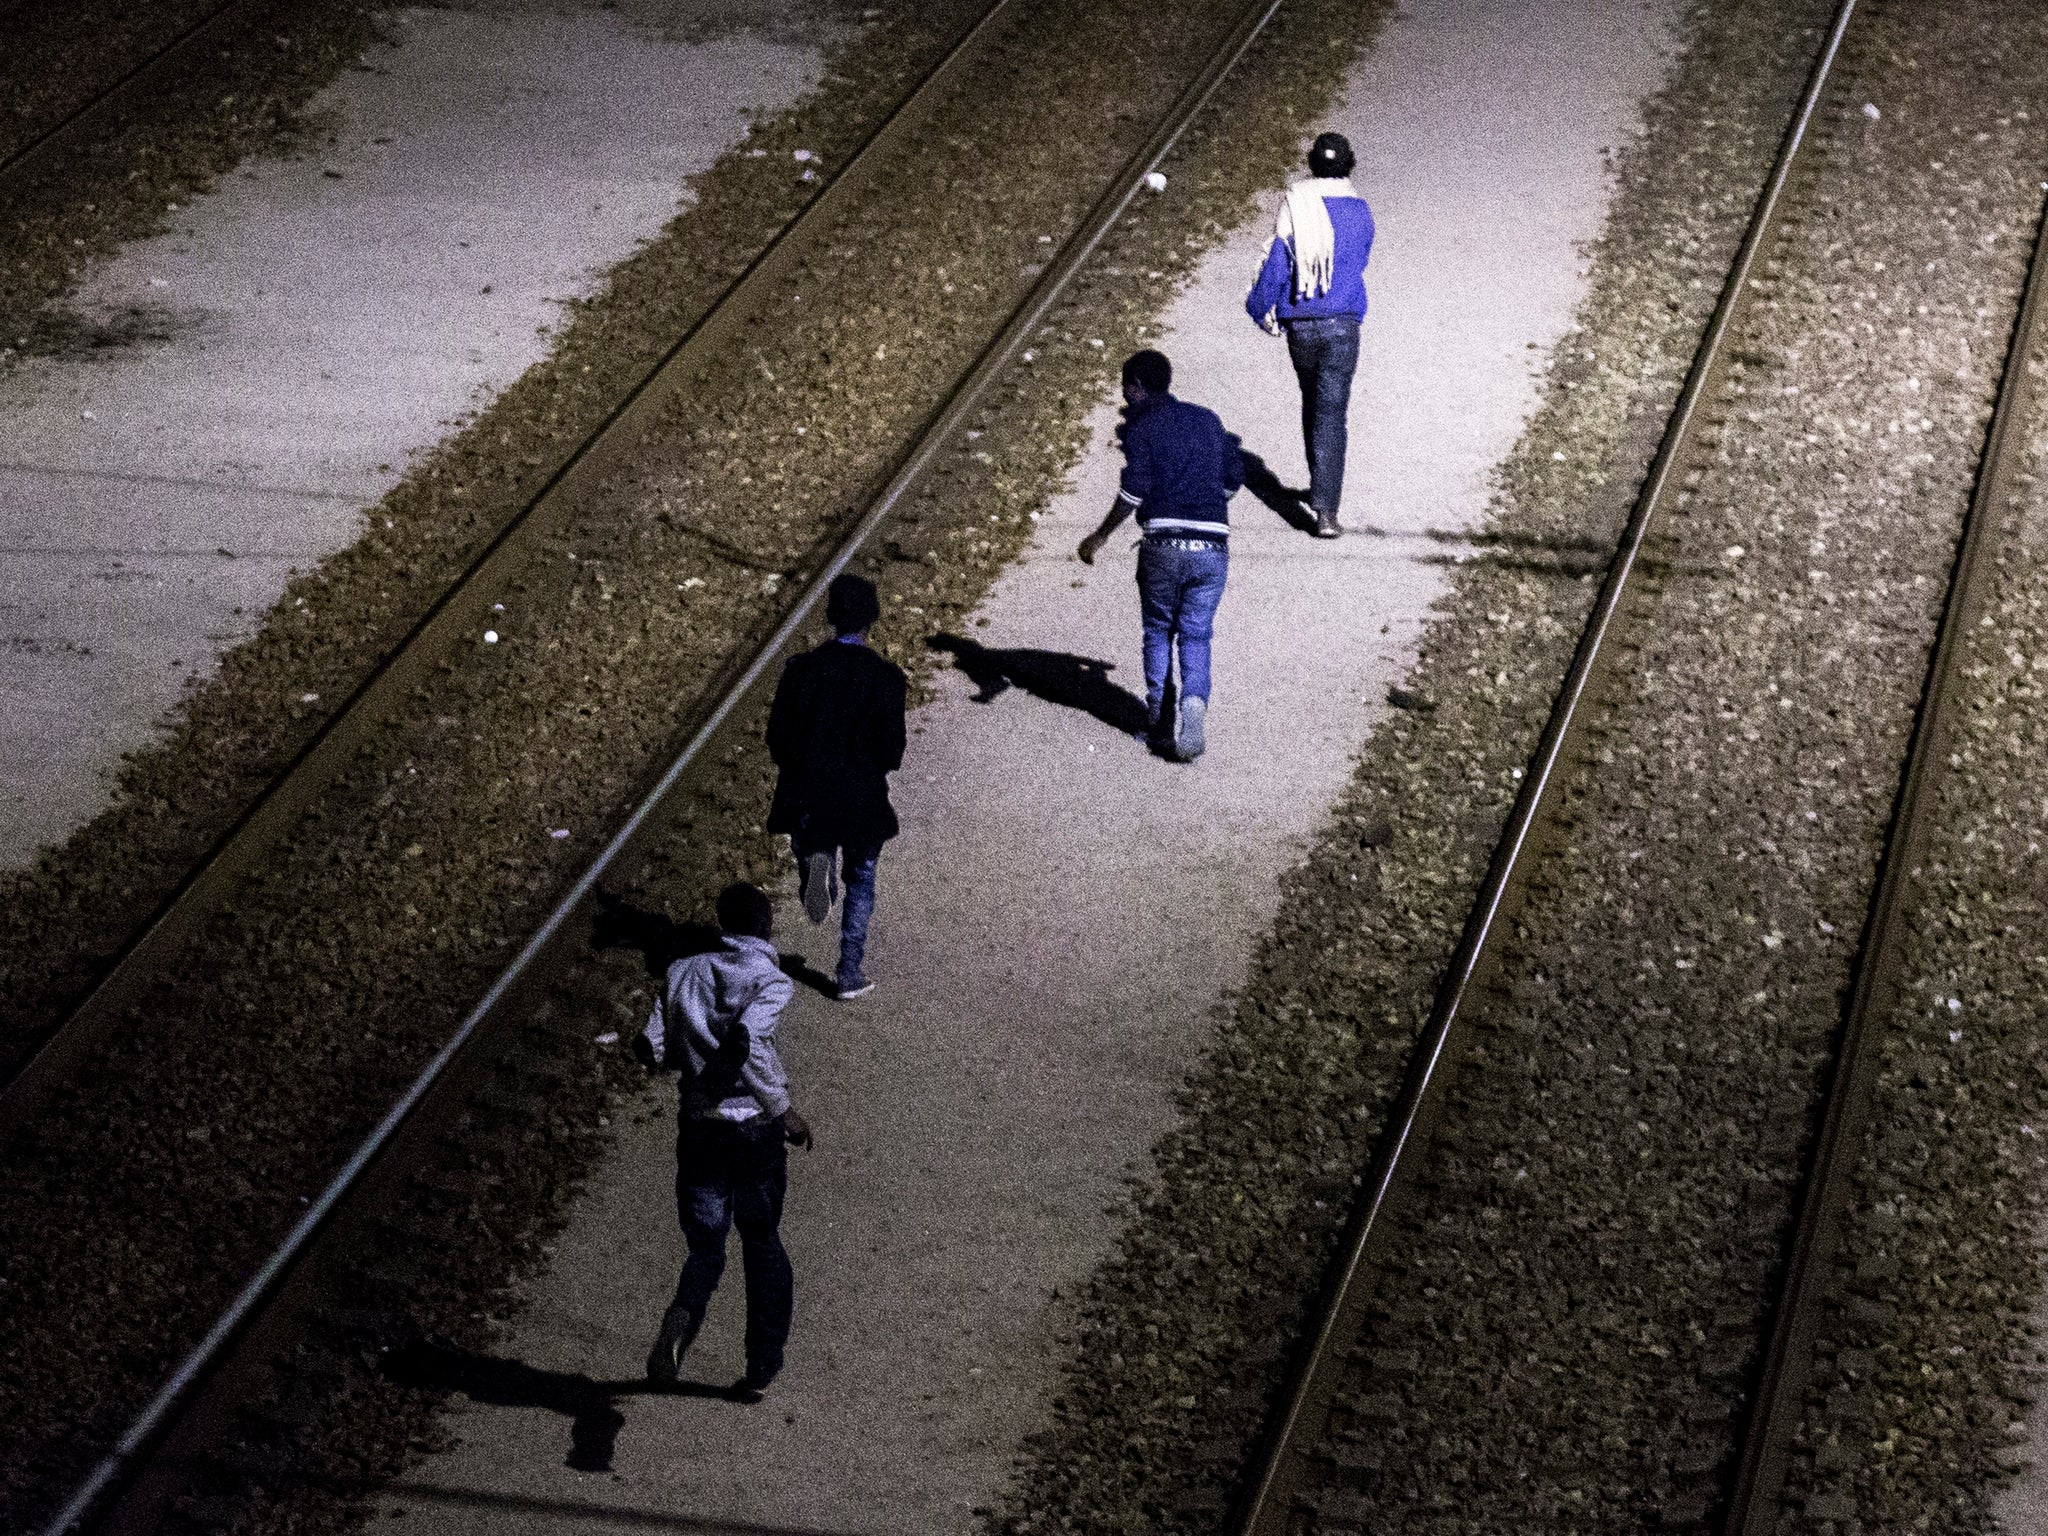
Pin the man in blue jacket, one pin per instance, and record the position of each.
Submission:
(1180, 470)
(1312, 287)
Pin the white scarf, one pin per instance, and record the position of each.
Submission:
(1305, 221)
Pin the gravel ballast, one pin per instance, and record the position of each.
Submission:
(1926, 1363)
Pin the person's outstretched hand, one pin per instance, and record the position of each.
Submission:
(796, 1130)
(1089, 547)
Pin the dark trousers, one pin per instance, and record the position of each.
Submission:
(1325, 355)
(855, 871)
(733, 1174)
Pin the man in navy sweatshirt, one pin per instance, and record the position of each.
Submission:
(1180, 470)
(1312, 288)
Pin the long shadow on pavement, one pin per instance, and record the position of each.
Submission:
(1058, 677)
(590, 1405)
(1290, 504)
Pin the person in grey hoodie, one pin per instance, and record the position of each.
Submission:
(714, 1025)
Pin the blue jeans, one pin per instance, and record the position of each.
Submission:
(733, 1174)
(1178, 590)
(856, 870)
(1325, 355)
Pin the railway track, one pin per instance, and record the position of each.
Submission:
(224, 1420)
(462, 609)
(1347, 1396)
(41, 159)
(1813, 1274)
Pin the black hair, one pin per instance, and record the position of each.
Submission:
(1150, 371)
(1331, 155)
(851, 603)
(743, 908)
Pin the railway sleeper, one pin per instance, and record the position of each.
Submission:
(1356, 1464)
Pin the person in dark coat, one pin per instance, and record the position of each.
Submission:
(835, 732)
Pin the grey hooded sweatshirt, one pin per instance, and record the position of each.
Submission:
(738, 986)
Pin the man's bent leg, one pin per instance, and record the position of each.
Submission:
(813, 876)
(704, 1209)
(1325, 356)
(859, 875)
(1158, 601)
(1200, 593)
(1196, 622)
(1333, 408)
(1305, 354)
(757, 1212)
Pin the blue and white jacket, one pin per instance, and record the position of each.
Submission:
(1273, 294)
(1180, 468)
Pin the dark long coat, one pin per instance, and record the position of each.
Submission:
(836, 733)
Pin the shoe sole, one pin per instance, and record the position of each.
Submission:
(818, 887)
(1187, 738)
(848, 994)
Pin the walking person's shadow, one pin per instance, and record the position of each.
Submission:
(1058, 677)
(662, 941)
(590, 1405)
(1291, 505)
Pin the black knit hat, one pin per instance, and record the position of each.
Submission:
(744, 908)
(851, 603)
(1331, 155)
(1150, 371)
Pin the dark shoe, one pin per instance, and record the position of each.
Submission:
(759, 1379)
(1187, 736)
(847, 991)
(817, 884)
(1327, 526)
(665, 1360)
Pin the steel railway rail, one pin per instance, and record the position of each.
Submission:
(178, 60)
(314, 1277)
(1749, 1503)
(1288, 1467)
(456, 615)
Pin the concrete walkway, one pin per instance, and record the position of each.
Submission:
(302, 330)
(1063, 912)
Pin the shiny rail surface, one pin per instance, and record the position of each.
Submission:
(134, 1486)
(1268, 1507)
(1754, 1504)
(462, 607)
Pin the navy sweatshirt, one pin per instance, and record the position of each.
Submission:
(1180, 468)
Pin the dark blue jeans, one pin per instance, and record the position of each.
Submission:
(1325, 355)
(856, 871)
(733, 1174)
(1178, 590)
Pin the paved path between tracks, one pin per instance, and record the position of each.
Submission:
(301, 330)
(1063, 911)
